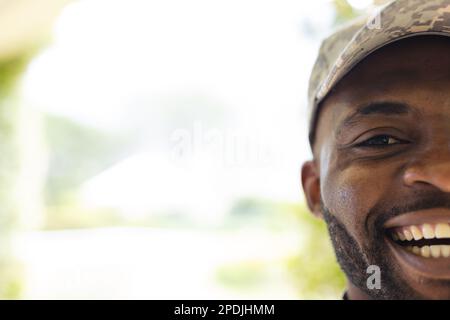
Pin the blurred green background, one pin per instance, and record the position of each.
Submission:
(105, 193)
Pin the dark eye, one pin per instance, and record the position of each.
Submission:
(380, 141)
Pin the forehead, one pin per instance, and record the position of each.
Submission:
(414, 71)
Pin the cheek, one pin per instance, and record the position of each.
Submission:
(350, 194)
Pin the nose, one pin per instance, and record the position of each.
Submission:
(432, 167)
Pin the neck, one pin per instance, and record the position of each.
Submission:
(354, 293)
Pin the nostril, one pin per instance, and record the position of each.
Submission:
(436, 175)
(413, 176)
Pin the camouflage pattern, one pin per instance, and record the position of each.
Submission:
(341, 51)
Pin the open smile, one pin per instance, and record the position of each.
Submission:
(426, 240)
(421, 241)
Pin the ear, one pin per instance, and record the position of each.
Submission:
(311, 187)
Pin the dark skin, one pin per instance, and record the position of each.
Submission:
(381, 149)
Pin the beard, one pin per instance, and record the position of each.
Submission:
(354, 258)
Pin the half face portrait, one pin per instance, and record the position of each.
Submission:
(380, 172)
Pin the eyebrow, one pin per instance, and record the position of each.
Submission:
(375, 108)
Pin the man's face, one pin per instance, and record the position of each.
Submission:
(382, 168)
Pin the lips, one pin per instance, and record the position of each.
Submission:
(426, 240)
(420, 243)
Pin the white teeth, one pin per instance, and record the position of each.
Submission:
(424, 231)
(417, 234)
(442, 230)
(425, 251)
(445, 251)
(435, 251)
(408, 234)
(440, 251)
(428, 231)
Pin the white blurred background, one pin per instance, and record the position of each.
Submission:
(160, 145)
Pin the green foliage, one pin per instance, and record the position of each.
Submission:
(10, 72)
(71, 216)
(344, 11)
(245, 275)
(315, 269)
(10, 279)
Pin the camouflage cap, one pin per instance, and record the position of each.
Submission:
(341, 51)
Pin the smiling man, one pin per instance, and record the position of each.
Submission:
(380, 136)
